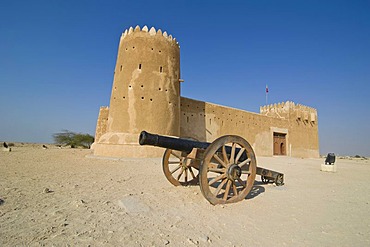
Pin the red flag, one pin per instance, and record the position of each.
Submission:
(267, 89)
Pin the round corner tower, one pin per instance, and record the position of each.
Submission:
(145, 93)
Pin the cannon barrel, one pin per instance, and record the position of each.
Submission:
(179, 144)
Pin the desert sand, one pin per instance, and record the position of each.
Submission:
(63, 197)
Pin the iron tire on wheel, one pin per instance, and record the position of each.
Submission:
(233, 173)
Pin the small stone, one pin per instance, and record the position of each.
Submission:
(204, 239)
(166, 242)
(191, 241)
(47, 190)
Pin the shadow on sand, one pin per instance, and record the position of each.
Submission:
(256, 190)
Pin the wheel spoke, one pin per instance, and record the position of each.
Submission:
(244, 162)
(235, 189)
(246, 172)
(224, 154)
(241, 151)
(186, 175)
(241, 182)
(191, 172)
(176, 155)
(179, 176)
(173, 162)
(220, 187)
(214, 180)
(232, 155)
(174, 170)
(219, 160)
(227, 189)
(217, 170)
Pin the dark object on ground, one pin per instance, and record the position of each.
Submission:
(5, 145)
(44, 147)
(330, 159)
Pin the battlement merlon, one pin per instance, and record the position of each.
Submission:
(289, 109)
(151, 32)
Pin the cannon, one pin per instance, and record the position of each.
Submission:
(224, 169)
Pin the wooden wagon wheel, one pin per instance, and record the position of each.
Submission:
(228, 170)
(179, 170)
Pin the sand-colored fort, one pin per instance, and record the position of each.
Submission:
(146, 96)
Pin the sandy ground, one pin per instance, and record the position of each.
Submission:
(62, 197)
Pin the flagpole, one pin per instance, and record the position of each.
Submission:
(267, 91)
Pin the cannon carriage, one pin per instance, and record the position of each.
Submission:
(225, 169)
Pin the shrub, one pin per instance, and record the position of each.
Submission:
(73, 139)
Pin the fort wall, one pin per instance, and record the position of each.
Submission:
(101, 125)
(206, 122)
(146, 96)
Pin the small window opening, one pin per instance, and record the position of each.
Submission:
(139, 65)
(121, 68)
(161, 69)
(142, 97)
(187, 119)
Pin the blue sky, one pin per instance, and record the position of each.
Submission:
(57, 60)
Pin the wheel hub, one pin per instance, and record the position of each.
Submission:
(234, 172)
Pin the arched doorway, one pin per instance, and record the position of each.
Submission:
(279, 143)
(282, 148)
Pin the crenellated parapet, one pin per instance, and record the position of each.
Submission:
(150, 32)
(290, 110)
(304, 113)
(279, 110)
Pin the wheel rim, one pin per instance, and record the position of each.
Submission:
(179, 170)
(228, 170)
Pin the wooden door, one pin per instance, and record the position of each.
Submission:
(279, 144)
